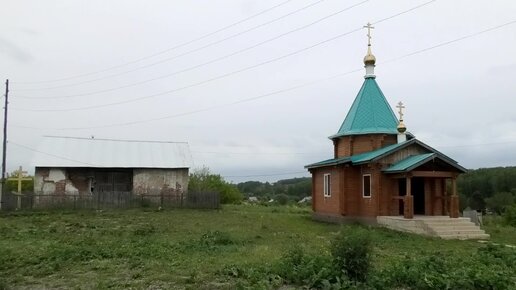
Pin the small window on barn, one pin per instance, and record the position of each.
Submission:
(366, 185)
(327, 185)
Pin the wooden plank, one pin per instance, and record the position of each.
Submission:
(441, 174)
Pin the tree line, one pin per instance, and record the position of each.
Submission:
(493, 188)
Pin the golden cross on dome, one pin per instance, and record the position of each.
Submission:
(369, 27)
(400, 107)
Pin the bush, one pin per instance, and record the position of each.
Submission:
(351, 254)
(282, 199)
(490, 268)
(298, 268)
(499, 201)
(202, 180)
(509, 215)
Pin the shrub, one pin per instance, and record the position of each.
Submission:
(282, 199)
(509, 215)
(499, 201)
(202, 180)
(351, 254)
(298, 268)
(490, 268)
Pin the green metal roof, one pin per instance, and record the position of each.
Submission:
(370, 113)
(361, 158)
(369, 156)
(403, 165)
(329, 162)
(409, 163)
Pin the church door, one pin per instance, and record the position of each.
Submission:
(418, 191)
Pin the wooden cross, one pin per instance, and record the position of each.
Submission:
(19, 175)
(400, 107)
(369, 27)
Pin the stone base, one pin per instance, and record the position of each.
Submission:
(435, 226)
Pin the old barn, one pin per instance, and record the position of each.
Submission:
(82, 166)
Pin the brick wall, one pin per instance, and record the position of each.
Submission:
(322, 204)
(352, 145)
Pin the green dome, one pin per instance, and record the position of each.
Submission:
(369, 114)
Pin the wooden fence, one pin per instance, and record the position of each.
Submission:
(110, 199)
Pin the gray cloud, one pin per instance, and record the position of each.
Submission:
(10, 49)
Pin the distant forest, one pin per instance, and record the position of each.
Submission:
(479, 188)
(294, 188)
(494, 188)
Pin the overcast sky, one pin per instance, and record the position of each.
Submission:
(108, 68)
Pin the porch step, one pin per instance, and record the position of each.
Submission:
(437, 226)
(465, 237)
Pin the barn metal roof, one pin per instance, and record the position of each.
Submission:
(57, 151)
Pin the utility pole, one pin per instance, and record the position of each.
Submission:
(4, 151)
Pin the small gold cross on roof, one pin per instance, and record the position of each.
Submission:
(400, 111)
(369, 27)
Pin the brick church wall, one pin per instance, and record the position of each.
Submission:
(322, 204)
(352, 145)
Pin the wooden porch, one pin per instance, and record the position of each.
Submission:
(427, 193)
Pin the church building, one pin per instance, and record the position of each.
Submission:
(380, 169)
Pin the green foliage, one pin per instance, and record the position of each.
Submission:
(27, 185)
(499, 201)
(236, 247)
(295, 188)
(298, 268)
(351, 254)
(485, 182)
(216, 238)
(476, 201)
(202, 180)
(509, 215)
(282, 199)
(490, 268)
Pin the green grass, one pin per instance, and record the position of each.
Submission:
(177, 248)
(500, 232)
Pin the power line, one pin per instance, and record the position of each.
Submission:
(476, 145)
(68, 159)
(267, 94)
(255, 153)
(163, 51)
(49, 154)
(451, 41)
(223, 75)
(177, 56)
(194, 111)
(201, 64)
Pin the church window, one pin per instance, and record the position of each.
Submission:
(327, 185)
(366, 185)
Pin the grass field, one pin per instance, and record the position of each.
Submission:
(145, 248)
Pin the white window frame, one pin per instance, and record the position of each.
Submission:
(370, 186)
(327, 185)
